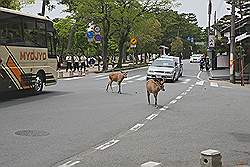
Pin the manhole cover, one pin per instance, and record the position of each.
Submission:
(32, 133)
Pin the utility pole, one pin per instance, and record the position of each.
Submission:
(232, 45)
(43, 7)
(209, 51)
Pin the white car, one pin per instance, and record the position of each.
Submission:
(196, 58)
(177, 60)
(164, 68)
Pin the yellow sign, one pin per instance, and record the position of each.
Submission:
(133, 41)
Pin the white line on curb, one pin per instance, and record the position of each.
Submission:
(129, 78)
(107, 145)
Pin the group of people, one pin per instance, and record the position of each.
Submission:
(76, 63)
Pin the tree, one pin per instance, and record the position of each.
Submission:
(177, 47)
(14, 4)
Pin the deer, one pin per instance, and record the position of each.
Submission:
(116, 77)
(154, 86)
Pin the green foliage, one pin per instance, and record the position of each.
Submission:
(15, 4)
(177, 47)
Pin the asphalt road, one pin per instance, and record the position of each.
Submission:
(77, 123)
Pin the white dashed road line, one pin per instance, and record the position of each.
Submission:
(136, 127)
(199, 74)
(151, 164)
(107, 145)
(70, 79)
(151, 117)
(179, 97)
(69, 164)
(173, 102)
(97, 79)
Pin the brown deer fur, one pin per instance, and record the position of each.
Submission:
(116, 77)
(154, 86)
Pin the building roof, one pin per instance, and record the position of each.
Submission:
(239, 23)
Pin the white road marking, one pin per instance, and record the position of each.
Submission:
(141, 79)
(214, 84)
(107, 145)
(69, 164)
(162, 109)
(173, 101)
(70, 79)
(227, 87)
(199, 74)
(151, 117)
(188, 90)
(133, 77)
(166, 107)
(97, 79)
(179, 97)
(186, 81)
(192, 85)
(150, 164)
(130, 81)
(102, 75)
(136, 127)
(200, 83)
(184, 93)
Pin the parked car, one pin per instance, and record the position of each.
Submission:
(177, 60)
(164, 68)
(196, 58)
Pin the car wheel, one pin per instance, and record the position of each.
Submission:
(39, 83)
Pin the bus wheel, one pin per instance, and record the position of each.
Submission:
(38, 86)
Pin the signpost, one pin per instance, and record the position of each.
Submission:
(133, 42)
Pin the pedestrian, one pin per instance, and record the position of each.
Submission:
(69, 62)
(76, 62)
(83, 63)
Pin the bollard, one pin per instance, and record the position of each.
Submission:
(210, 158)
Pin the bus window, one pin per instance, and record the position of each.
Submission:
(51, 45)
(34, 34)
(10, 29)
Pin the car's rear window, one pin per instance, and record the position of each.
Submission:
(163, 63)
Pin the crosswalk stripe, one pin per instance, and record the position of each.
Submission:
(200, 83)
(186, 81)
(133, 77)
(97, 79)
(214, 84)
(141, 78)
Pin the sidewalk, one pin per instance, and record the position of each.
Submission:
(223, 74)
(63, 74)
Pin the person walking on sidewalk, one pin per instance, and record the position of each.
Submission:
(69, 62)
(76, 62)
(83, 61)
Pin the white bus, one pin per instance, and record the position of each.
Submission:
(27, 51)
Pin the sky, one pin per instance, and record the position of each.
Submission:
(198, 7)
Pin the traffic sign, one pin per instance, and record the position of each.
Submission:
(90, 34)
(133, 41)
(98, 38)
(97, 29)
(211, 41)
